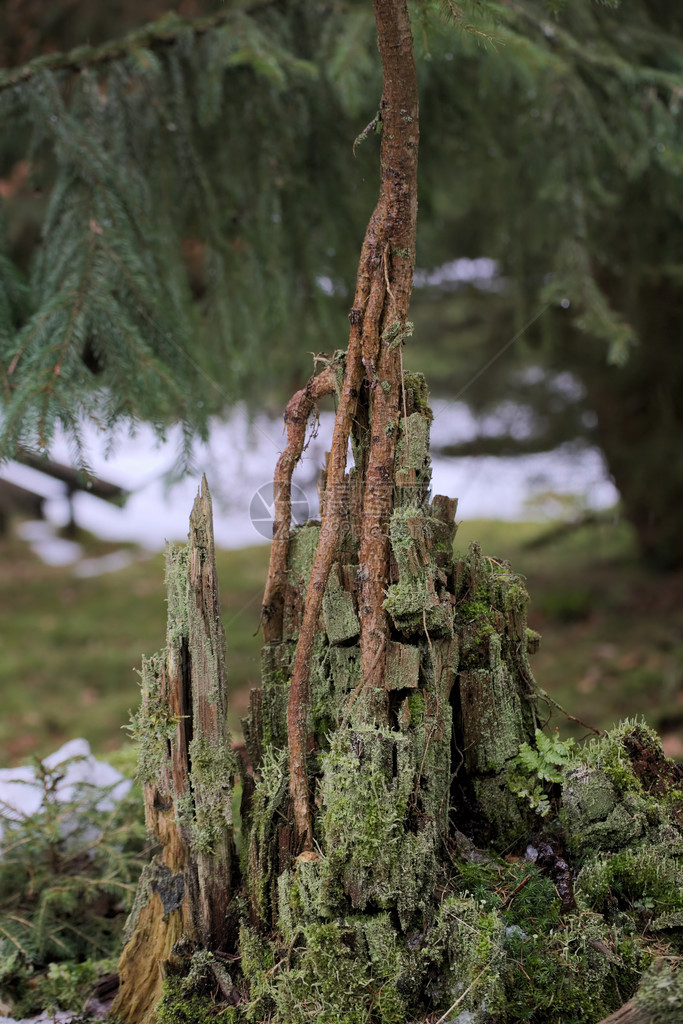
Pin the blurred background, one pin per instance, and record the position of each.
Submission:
(547, 313)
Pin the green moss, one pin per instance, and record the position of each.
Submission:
(631, 881)
(466, 943)
(339, 614)
(517, 597)
(416, 704)
(303, 544)
(176, 565)
(361, 969)
(467, 611)
(413, 602)
(606, 803)
(212, 771)
(416, 385)
(338, 977)
(412, 446)
(152, 726)
(660, 994)
(579, 973)
(257, 964)
(415, 609)
(345, 668)
(610, 754)
(556, 966)
(258, 852)
(178, 1006)
(397, 332)
(370, 857)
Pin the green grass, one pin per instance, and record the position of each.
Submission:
(69, 648)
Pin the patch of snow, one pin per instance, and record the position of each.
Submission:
(239, 459)
(53, 550)
(21, 794)
(482, 272)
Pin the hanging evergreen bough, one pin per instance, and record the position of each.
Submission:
(164, 268)
(196, 180)
(413, 848)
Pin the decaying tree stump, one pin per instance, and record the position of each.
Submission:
(403, 909)
(454, 706)
(187, 767)
(413, 848)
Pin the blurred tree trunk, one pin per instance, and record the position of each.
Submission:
(639, 409)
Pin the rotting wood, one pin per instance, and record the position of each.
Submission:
(187, 767)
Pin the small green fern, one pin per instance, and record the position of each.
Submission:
(536, 769)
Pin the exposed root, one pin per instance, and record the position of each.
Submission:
(299, 408)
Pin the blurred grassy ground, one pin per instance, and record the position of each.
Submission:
(69, 648)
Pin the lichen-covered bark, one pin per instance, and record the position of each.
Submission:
(405, 909)
(383, 758)
(187, 767)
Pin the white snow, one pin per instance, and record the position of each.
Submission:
(21, 794)
(239, 458)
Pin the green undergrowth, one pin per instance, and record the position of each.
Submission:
(68, 875)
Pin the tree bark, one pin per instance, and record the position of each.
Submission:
(187, 766)
(378, 324)
(299, 409)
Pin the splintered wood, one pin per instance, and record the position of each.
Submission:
(187, 767)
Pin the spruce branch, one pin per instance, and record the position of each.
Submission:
(161, 33)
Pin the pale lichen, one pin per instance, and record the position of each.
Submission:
(339, 613)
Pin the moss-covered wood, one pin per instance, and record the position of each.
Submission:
(187, 766)
(440, 885)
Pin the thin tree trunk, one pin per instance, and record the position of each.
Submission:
(377, 318)
(383, 336)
